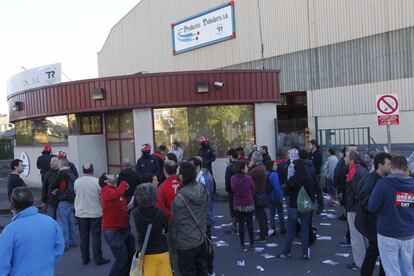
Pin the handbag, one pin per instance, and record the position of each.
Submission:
(206, 239)
(137, 265)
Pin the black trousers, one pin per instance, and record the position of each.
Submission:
(210, 257)
(193, 262)
(91, 226)
(371, 257)
(245, 218)
(319, 192)
(261, 217)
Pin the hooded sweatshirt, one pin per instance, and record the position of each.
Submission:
(184, 232)
(393, 201)
(294, 155)
(144, 216)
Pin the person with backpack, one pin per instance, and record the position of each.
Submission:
(300, 190)
(275, 198)
(156, 257)
(366, 222)
(282, 163)
(242, 187)
(64, 191)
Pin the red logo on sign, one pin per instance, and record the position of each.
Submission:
(387, 104)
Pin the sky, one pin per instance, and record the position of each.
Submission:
(41, 32)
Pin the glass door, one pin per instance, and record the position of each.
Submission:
(119, 139)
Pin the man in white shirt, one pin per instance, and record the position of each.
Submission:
(177, 150)
(88, 211)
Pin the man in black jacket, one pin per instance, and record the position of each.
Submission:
(315, 156)
(147, 167)
(129, 175)
(14, 180)
(233, 157)
(365, 222)
(43, 161)
(49, 201)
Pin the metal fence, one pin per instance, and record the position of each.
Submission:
(338, 138)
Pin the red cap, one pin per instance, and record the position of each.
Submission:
(146, 147)
(61, 154)
(47, 148)
(204, 140)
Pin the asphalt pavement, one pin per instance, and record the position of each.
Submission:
(229, 260)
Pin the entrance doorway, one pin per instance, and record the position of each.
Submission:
(119, 139)
(292, 120)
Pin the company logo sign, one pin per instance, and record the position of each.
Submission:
(33, 78)
(212, 26)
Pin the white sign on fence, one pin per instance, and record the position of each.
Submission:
(209, 27)
(33, 78)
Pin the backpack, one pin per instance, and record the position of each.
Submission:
(269, 186)
(304, 202)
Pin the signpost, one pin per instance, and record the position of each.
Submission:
(388, 113)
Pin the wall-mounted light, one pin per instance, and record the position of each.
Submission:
(17, 106)
(98, 94)
(202, 87)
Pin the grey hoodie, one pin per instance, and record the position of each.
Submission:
(183, 231)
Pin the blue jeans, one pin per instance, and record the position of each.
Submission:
(273, 205)
(122, 245)
(396, 255)
(330, 185)
(66, 219)
(293, 216)
(51, 210)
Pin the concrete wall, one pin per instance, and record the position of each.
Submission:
(33, 152)
(88, 148)
(143, 129)
(264, 116)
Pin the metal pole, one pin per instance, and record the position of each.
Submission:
(389, 138)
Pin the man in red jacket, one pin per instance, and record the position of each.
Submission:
(168, 189)
(115, 223)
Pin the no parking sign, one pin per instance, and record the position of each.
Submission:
(388, 109)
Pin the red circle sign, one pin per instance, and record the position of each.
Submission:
(390, 104)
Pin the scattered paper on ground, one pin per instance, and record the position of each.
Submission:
(346, 255)
(241, 263)
(330, 262)
(214, 237)
(297, 243)
(324, 238)
(221, 243)
(325, 224)
(271, 245)
(260, 268)
(217, 227)
(219, 216)
(226, 224)
(267, 256)
(258, 249)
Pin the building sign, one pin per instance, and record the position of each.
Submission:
(388, 109)
(209, 27)
(26, 163)
(33, 78)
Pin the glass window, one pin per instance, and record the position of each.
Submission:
(49, 130)
(226, 126)
(90, 124)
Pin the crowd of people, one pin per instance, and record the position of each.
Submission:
(161, 208)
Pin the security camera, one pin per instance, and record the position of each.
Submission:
(218, 84)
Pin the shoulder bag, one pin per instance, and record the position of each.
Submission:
(137, 266)
(206, 239)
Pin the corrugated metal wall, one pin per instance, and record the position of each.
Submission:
(141, 41)
(376, 58)
(148, 90)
